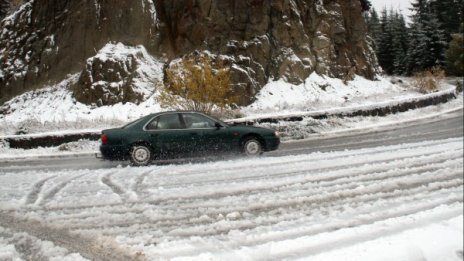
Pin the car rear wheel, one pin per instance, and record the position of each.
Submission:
(140, 155)
(252, 147)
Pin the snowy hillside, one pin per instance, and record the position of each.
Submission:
(54, 108)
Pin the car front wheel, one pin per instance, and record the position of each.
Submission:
(140, 155)
(252, 147)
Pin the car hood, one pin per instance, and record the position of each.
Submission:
(258, 130)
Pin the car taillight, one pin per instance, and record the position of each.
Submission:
(104, 139)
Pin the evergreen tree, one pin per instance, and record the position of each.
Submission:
(435, 42)
(4, 7)
(420, 9)
(384, 52)
(399, 43)
(427, 41)
(450, 15)
(417, 48)
(373, 24)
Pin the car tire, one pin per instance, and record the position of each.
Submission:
(140, 155)
(252, 147)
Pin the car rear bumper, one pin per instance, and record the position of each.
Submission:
(114, 152)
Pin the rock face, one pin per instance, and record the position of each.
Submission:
(118, 73)
(260, 39)
(48, 39)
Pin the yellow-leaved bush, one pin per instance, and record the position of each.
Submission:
(197, 83)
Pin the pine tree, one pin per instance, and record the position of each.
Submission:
(384, 43)
(436, 43)
(420, 10)
(373, 24)
(450, 15)
(4, 7)
(417, 48)
(399, 43)
(427, 41)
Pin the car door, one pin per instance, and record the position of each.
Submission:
(209, 137)
(168, 136)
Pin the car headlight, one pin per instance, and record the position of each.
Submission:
(277, 134)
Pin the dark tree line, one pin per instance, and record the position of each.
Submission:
(425, 42)
(4, 7)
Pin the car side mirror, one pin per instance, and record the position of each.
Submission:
(217, 125)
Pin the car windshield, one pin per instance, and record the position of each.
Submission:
(222, 123)
(218, 120)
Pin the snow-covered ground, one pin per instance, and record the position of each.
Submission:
(308, 128)
(54, 109)
(401, 202)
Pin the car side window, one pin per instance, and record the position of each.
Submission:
(197, 121)
(165, 122)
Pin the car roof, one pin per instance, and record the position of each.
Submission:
(167, 112)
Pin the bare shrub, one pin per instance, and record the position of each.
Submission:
(199, 84)
(429, 80)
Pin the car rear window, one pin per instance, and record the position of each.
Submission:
(131, 124)
(165, 122)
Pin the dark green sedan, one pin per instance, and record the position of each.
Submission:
(170, 135)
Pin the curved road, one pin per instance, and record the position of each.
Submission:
(449, 125)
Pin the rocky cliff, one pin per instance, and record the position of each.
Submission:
(260, 39)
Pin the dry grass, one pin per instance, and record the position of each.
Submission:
(429, 80)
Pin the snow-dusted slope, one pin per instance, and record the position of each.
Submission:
(55, 108)
(348, 205)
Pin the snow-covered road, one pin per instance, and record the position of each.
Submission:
(343, 205)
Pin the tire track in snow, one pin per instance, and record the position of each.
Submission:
(336, 193)
(136, 186)
(34, 194)
(229, 178)
(248, 226)
(257, 165)
(117, 188)
(57, 188)
(371, 175)
(252, 188)
(265, 166)
(382, 217)
(347, 177)
(332, 167)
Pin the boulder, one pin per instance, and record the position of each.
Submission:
(118, 74)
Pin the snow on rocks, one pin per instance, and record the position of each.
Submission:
(119, 74)
(319, 205)
(55, 109)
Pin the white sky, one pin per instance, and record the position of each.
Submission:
(403, 5)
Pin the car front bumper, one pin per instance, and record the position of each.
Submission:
(272, 144)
